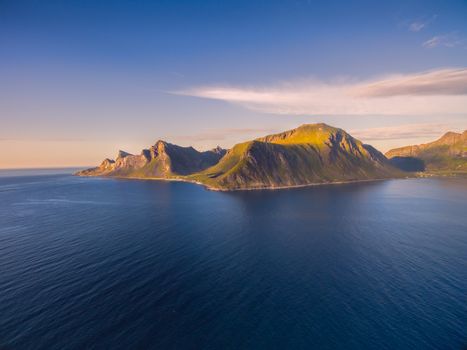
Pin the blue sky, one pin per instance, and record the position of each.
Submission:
(82, 79)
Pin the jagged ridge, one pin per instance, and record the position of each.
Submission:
(163, 160)
(309, 154)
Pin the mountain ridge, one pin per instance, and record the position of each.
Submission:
(308, 155)
(448, 154)
(162, 160)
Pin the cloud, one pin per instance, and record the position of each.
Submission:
(417, 26)
(408, 131)
(442, 91)
(447, 40)
(440, 82)
(223, 134)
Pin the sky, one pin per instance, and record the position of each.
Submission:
(80, 80)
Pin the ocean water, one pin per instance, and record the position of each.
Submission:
(90, 263)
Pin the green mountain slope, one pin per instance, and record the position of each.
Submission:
(445, 155)
(163, 160)
(310, 154)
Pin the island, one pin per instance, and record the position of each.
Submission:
(311, 154)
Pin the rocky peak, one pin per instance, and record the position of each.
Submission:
(107, 164)
(158, 148)
(452, 137)
(123, 154)
(218, 150)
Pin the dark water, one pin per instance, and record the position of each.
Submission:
(89, 263)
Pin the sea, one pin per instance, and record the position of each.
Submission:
(100, 263)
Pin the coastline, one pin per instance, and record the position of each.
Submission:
(269, 188)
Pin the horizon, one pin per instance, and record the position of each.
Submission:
(82, 80)
(75, 167)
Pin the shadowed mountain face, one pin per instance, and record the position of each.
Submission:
(410, 164)
(310, 154)
(447, 154)
(163, 160)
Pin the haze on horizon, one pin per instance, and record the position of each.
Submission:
(82, 79)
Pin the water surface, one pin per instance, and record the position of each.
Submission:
(90, 263)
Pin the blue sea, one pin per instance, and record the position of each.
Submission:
(94, 263)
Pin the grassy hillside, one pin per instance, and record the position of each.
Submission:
(445, 155)
(309, 154)
(314, 153)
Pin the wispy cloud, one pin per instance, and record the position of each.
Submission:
(416, 26)
(439, 82)
(446, 40)
(407, 131)
(420, 24)
(441, 91)
(224, 133)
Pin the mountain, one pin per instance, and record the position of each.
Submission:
(309, 154)
(445, 155)
(163, 160)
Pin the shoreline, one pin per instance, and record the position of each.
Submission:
(270, 188)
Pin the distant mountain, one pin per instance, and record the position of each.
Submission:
(309, 154)
(163, 160)
(445, 155)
